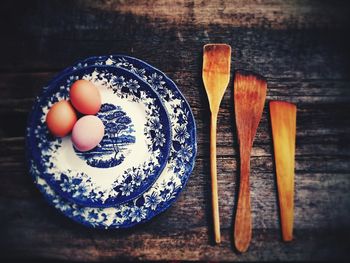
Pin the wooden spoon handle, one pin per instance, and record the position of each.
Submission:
(214, 183)
(243, 221)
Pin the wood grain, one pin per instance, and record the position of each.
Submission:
(249, 99)
(283, 123)
(301, 49)
(216, 76)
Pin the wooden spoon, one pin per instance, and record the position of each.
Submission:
(216, 75)
(249, 98)
(283, 121)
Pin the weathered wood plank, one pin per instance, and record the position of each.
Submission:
(282, 54)
(46, 235)
(25, 85)
(49, 41)
(321, 128)
(237, 13)
(325, 175)
(12, 157)
(272, 14)
(314, 120)
(313, 211)
(318, 132)
(198, 101)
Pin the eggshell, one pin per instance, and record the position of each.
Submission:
(85, 97)
(61, 118)
(87, 133)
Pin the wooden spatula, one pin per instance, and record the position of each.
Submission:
(216, 75)
(283, 122)
(249, 99)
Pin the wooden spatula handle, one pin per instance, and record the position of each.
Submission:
(243, 221)
(213, 174)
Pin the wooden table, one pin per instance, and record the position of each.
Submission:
(301, 47)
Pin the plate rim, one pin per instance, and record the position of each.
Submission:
(167, 131)
(184, 182)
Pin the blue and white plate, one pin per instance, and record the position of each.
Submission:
(132, 153)
(172, 180)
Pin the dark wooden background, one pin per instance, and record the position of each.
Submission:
(301, 47)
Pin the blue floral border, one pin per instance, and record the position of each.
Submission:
(170, 191)
(44, 160)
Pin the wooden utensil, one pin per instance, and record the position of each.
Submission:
(283, 121)
(249, 99)
(216, 75)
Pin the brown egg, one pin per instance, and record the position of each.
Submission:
(85, 97)
(61, 118)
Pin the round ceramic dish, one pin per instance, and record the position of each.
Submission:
(172, 180)
(132, 153)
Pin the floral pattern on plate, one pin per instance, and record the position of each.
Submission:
(103, 176)
(172, 180)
